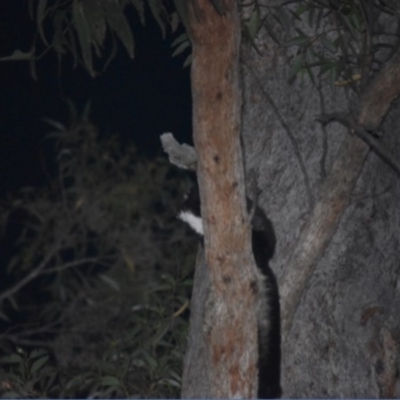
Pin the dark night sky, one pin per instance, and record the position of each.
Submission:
(139, 99)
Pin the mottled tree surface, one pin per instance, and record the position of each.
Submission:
(229, 328)
(337, 255)
(334, 206)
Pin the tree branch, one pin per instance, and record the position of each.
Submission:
(336, 191)
(376, 146)
(320, 227)
(290, 135)
(378, 97)
(33, 274)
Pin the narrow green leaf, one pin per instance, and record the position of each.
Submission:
(181, 38)
(310, 74)
(355, 20)
(333, 74)
(328, 44)
(39, 364)
(283, 18)
(311, 16)
(149, 360)
(31, 7)
(172, 382)
(139, 5)
(41, 13)
(271, 33)
(95, 17)
(110, 381)
(254, 23)
(13, 302)
(297, 65)
(174, 21)
(110, 282)
(38, 353)
(157, 10)
(58, 37)
(18, 55)
(4, 317)
(188, 61)
(112, 54)
(301, 9)
(73, 46)
(181, 48)
(83, 31)
(310, 55)
(117, 21)
(181, 7)
(319, 18)
(325, 67)
(296, 41)
(11, 395)
(11, 359)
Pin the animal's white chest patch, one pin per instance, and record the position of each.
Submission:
(194, 221)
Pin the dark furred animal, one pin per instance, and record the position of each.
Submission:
(268, 313)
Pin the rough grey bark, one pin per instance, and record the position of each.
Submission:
(229, 329)
(196, 381)
(338, 237)
(334, 208)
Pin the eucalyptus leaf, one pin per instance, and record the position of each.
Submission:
(110, 381)
(82, 28)
(157, 10)
(38, 353)
(4, 317)
(253, 26)
(18, 55)
(39, 364)
(271, 33)
(188, 61)
(110, 282)
(310, 74)
(58, 37)
(296, 41)
(117, 21)
(301, 9)
(174, 21)
(311, 16)
(11, 395)
(283, 18)
(297, 65)
(139, 5)
(41, 13)
(73, 46)
(330, 46)
(11, 359)
(181, 48)
(181, 38)
(95, 17)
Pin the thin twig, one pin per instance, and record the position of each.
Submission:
(33, 274)
(290, 135)
(376, 146)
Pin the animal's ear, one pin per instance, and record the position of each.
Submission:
(192, 201)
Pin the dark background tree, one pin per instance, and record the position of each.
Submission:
(95, 276)
(102, 312)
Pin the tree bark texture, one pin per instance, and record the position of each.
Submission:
(334, 205)
(229, 330)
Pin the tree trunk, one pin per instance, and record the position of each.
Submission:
(334, 208)
(228, 334)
